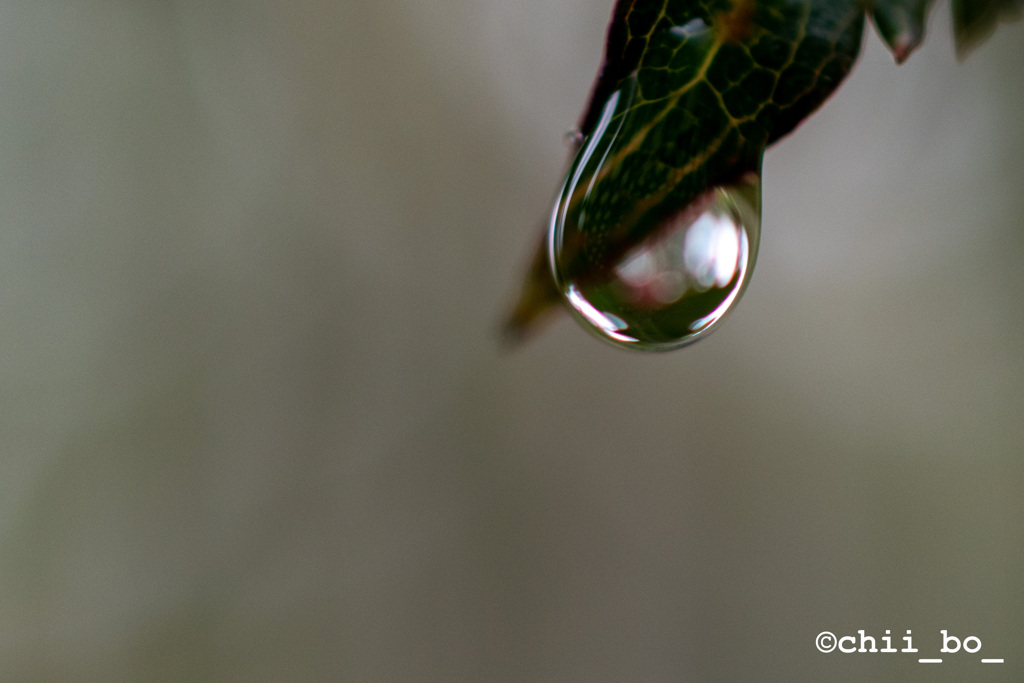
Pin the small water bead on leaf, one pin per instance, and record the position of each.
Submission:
(574, 138)
(676, 285)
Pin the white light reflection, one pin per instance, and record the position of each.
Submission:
(740, 265)
(561, 209)
(711, 251)
(690, 28)
(609, 324)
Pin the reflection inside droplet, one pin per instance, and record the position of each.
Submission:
(690, 28)
(675, 285)
(608, 323)
(698, 256)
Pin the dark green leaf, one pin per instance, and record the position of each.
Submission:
(704, 87)
(975, 20)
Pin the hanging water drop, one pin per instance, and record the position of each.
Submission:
(679, 283)
(689, 266)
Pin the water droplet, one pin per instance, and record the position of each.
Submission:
(673, 286)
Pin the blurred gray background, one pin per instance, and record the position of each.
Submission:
(256, 425)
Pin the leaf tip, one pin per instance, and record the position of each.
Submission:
(538, 298)
(974, 21)
(901, 25)
(903, 46)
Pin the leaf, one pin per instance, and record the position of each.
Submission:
(700, 89)
(975, 20)
(901, 24)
